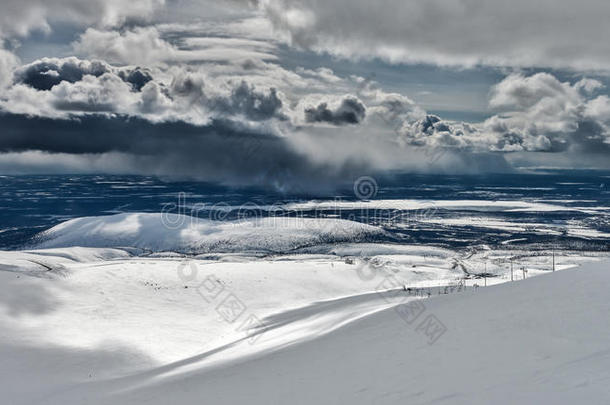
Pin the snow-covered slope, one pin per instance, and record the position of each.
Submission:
(128, 331)
(180, 233)
(543, 341)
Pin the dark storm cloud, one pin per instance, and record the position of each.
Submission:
(350, 111)
(57, 87)
(432, 122)
(222, 151)
(45, 73)
(590, 138)
(136, 77)
(100, 134)
(48, 72)
(253, 104)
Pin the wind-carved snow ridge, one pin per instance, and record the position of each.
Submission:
(186, 234)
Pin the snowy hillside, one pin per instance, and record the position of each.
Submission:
(96, 326)
(542, 341)
(181, 233)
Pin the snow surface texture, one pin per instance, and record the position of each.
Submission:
(186, 234)
(96, 326)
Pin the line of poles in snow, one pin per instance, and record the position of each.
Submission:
(461, 286)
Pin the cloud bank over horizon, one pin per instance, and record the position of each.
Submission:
(545, 33)
(217, 98)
